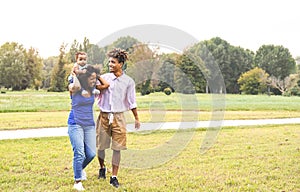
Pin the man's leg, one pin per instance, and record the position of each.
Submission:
(116, 158)
(102, 170)
(101, 157)
(115, 167)
(103, 142)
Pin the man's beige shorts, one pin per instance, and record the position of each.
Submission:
(116, 132)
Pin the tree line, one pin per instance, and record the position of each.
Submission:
(209, 66)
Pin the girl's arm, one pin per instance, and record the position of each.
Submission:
(103, 84)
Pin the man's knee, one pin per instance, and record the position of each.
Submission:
(101, 154)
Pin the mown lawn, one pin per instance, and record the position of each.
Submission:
(39, 101)
(35, 109)
(260, 158)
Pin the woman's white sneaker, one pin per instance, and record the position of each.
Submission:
(78, 186)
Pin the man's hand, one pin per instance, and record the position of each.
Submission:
(137, 124)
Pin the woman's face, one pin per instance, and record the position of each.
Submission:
(92, 80)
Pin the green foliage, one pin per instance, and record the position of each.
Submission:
(188, 76)
(253, 81)
(222, 60)
(145, 87)
(127, 43)
(95, 54)
(20, 68)
(294, 86)
(46, 72)
(168, 91)
(34, 68)
(141, 67)
(207, 66)
(275, 60)
(58, 77)
(165, 74)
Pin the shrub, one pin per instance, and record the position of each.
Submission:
(168, 91)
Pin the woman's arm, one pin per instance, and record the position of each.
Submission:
(103, 84)
(75, 86)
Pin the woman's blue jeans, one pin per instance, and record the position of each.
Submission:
(83, 140)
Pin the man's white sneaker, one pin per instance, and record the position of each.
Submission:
(78, 186)
(83, 175)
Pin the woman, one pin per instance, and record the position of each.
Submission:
(81, 124)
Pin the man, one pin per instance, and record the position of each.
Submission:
(113, 102)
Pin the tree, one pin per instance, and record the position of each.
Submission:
(188, 77)
(142, 64)
(294, 85)
(253, 81)
(126, 43)
(241, 60)
(297, 64)
(165, 74)
(33, 67)
(94, 55)
(223, 62)
(49, 64)
(13, 66)
(73, 50)
(58, 76)
(20, 68)
(275, 60)
(284, 85)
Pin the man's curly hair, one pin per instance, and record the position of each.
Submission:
(119, 54)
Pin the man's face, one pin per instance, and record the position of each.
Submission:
(114, 65)
(81, 60)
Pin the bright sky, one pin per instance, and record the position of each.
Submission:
(46, 24)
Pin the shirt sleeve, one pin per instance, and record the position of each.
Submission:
(131, 95)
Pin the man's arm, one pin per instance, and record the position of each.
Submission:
(137, 123)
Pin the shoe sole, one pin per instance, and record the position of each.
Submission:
(114, 186)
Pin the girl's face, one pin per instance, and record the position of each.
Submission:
(81, 60)
(92, 80)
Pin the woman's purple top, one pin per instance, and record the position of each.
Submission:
(82, 110)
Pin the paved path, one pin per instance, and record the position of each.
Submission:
(63, 131)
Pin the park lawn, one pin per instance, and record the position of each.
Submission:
(42, 101)
(254, 158)
(28, 120)
(36, 109)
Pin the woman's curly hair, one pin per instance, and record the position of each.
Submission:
(119, 54)
(83, 78)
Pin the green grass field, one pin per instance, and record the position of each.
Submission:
(242, 159)
(246, 158)
(41, 101)
(35, 109)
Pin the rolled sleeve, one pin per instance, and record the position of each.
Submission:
(131, 96)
